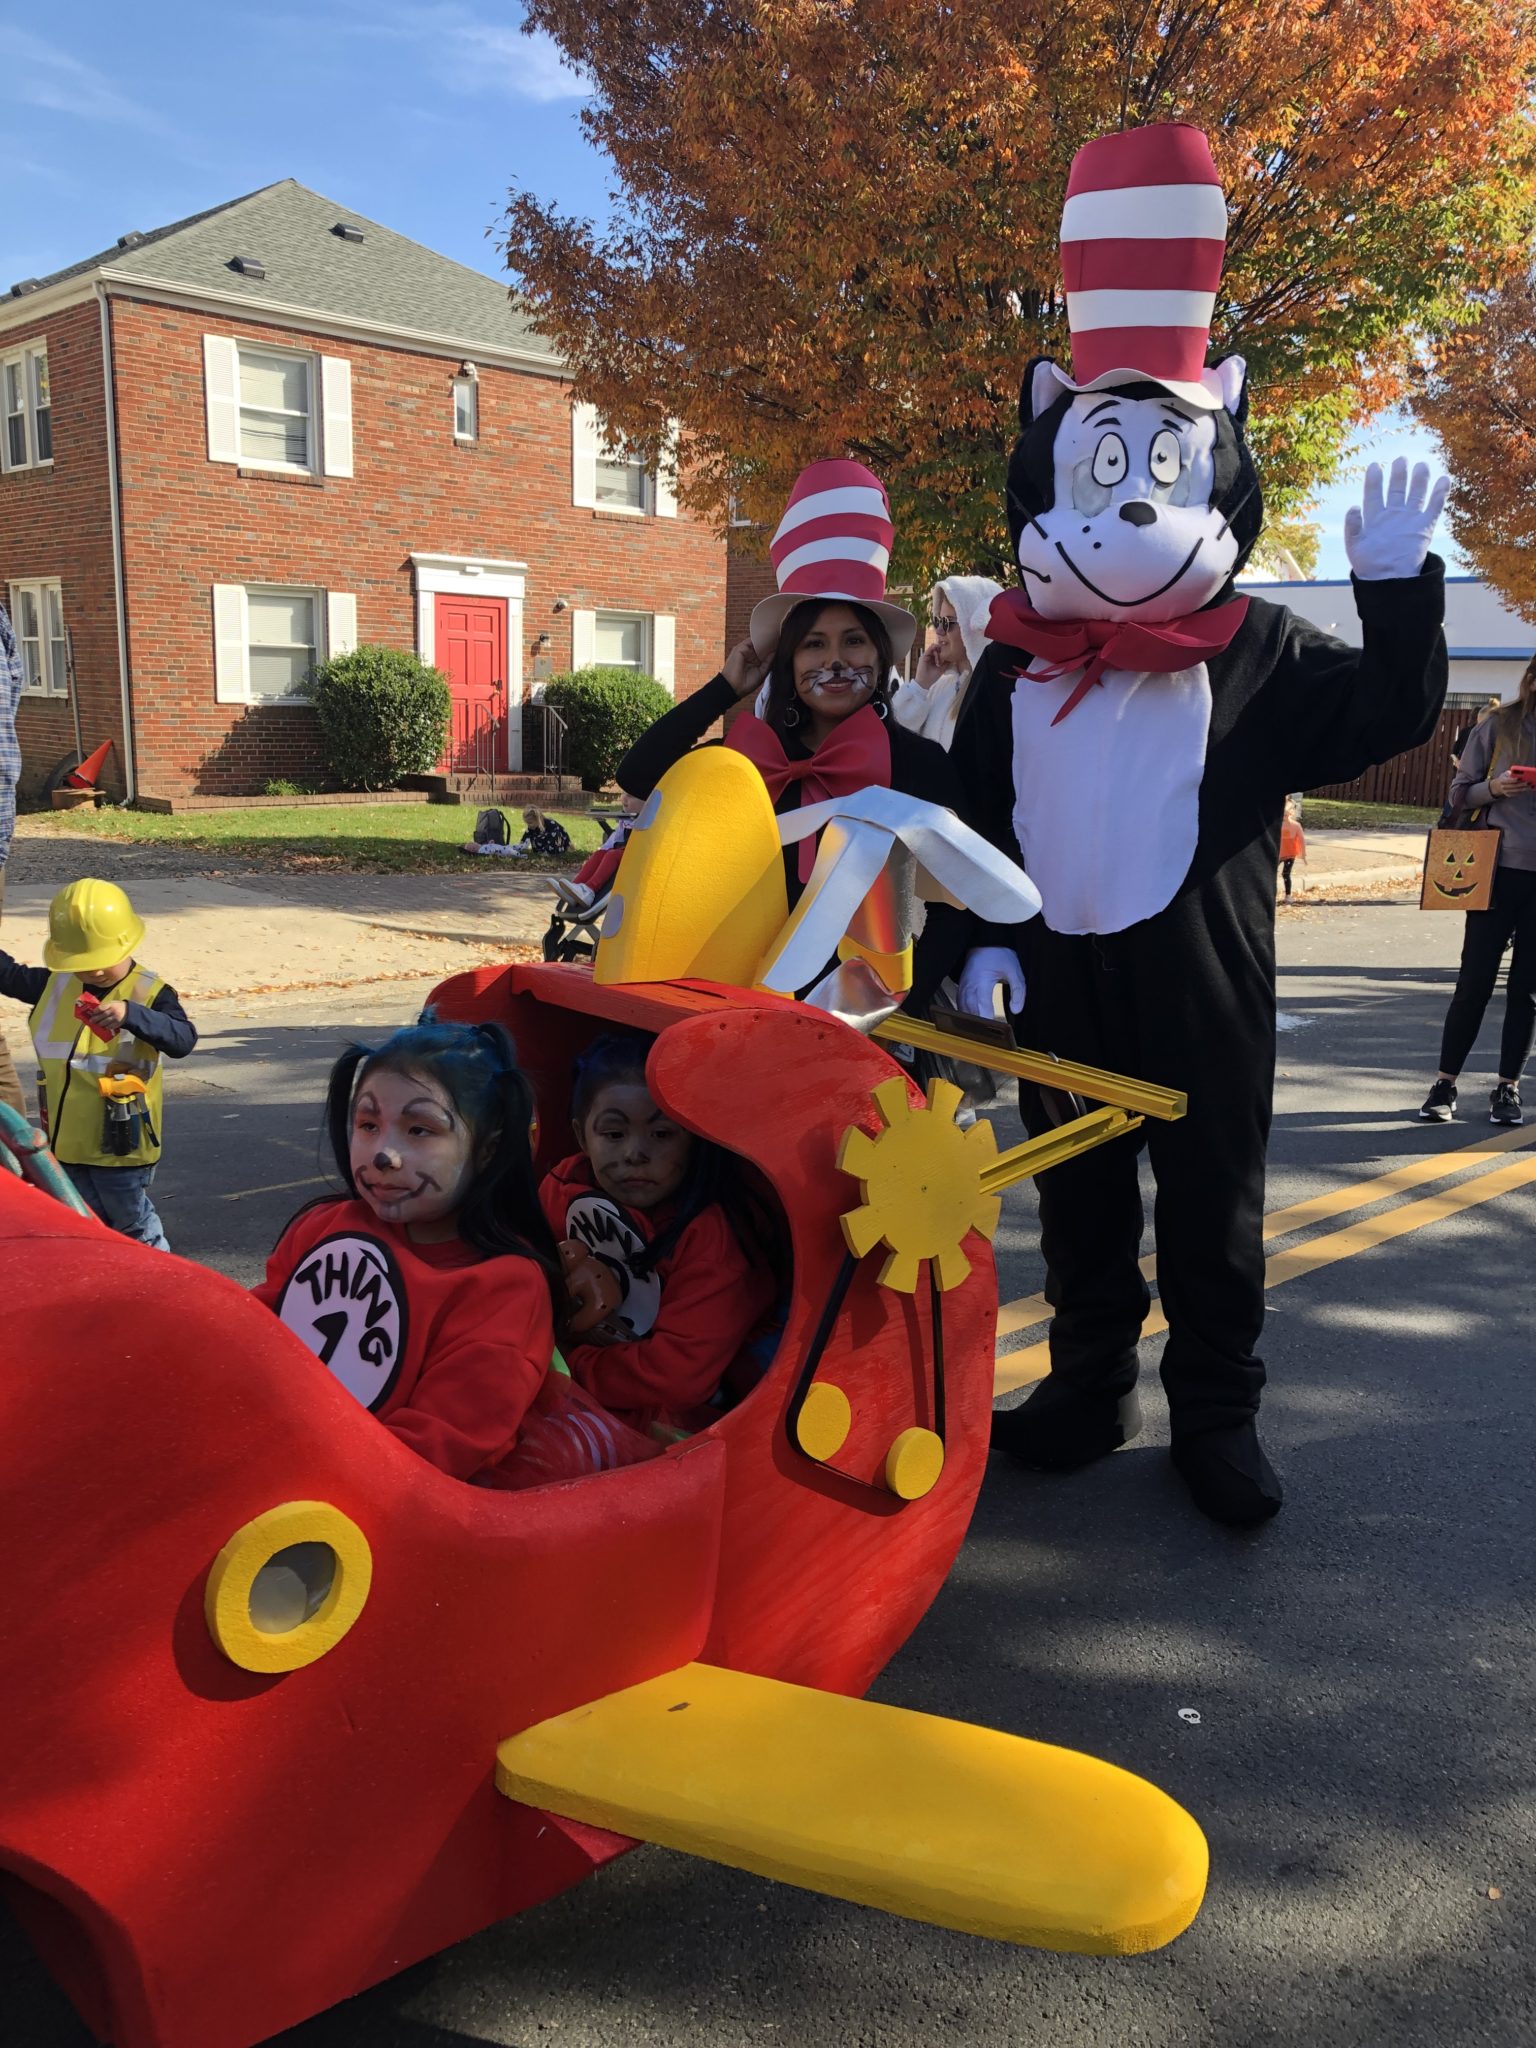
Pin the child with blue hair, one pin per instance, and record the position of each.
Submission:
(432, 1289)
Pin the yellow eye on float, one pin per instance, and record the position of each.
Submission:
(287, 1587)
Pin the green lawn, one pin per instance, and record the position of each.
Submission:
(407, 838)
(382, 838)
(1323, 814)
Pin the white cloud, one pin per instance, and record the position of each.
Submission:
(38, 75)
(471, 56)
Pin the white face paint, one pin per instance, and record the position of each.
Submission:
(1133, 533)
(412, 1153)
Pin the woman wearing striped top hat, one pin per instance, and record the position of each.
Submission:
(821, 653)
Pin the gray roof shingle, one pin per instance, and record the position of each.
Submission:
(385, 279)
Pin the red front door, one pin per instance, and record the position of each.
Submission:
(471, 635)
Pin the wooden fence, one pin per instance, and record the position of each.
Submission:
(1421, 776)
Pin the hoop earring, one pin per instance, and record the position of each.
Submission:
(880, 704)
(789, 718)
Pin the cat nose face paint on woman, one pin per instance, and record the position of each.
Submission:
(835, 663)
(411, 1153)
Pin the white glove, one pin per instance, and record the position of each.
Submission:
(979, 977)
(1389, 538)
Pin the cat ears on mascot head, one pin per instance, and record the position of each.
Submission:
(1045, 382)
(1143, 237)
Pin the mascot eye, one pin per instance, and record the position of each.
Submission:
(1166, 457)
(1110, 461)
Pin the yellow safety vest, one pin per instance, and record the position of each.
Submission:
(70, 1057)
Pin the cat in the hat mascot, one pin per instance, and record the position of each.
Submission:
(1133, 729)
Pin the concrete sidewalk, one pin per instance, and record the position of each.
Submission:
(278, 931)
(1348, 862)
(266, 933)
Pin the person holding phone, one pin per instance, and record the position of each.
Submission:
(1497, 775)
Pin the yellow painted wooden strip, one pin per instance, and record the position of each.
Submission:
(1093, 1082)
(1022, 1368)
(1014, 1316)
(1053, 1148)
(937, 1820)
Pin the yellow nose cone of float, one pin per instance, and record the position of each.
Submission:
(964, 1827)
(700, 891)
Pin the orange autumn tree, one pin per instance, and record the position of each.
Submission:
(1480, 399)
(836, 220)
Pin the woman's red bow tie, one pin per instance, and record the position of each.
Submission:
(1094, 645)
(855, 754)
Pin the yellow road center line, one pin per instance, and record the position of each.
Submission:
(276, 1187)
(1021, 1368)
(1014, 1316)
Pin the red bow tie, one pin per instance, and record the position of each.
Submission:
(855, 754)
(1094, 645)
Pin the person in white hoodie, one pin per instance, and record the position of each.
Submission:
(957, 619)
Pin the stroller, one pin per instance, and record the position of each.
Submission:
(574, 924)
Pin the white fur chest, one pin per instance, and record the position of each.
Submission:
(1107, 804)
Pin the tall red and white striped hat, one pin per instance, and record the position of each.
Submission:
(1143, 233)
(834, 542)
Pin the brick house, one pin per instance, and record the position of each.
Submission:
(259, 436)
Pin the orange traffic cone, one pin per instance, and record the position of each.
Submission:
(84, 777)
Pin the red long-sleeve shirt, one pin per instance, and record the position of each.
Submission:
(449, 1349)
(703, 1303)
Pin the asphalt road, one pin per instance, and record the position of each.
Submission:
(1363, 1761)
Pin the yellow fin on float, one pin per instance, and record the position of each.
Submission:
(937, 1820)
(699, 894)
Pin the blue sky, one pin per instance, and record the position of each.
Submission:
(417, 113)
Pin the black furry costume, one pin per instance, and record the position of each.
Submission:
(1185, 997)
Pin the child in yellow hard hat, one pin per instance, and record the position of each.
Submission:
(100, 1023)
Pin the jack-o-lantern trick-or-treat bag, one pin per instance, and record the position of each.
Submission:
(1459, 861)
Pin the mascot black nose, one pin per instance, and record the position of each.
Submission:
(1138, 513)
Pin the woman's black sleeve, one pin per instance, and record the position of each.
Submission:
(921, 768)
(674, 734)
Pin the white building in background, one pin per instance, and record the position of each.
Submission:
(1489, 645)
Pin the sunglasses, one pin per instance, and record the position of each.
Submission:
(943, 625)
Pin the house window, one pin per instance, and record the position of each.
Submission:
(466, 409)
(280, 631)
(37, 610)
(276, 409)
(620, 639)
(622, 480)
(26, 431)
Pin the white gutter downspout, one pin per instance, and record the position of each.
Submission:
(130, 774)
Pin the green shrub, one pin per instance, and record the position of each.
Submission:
(279, 785)
(383, 713)
(605, 711)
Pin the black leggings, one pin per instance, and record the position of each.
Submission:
(1513, 910)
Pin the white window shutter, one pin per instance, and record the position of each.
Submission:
(586, 439)
(221, 387)
(336, 415)
(583, 639)
(231, 658)
(664, 649)
(666, 475)
(340, 622)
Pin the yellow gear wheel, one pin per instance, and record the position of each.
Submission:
(920, 1180)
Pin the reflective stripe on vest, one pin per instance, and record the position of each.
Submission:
(72, 1057)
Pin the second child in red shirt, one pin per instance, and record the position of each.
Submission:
(692, 1259)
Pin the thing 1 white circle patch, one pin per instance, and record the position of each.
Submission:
(604, 1228)
(346, 1301)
